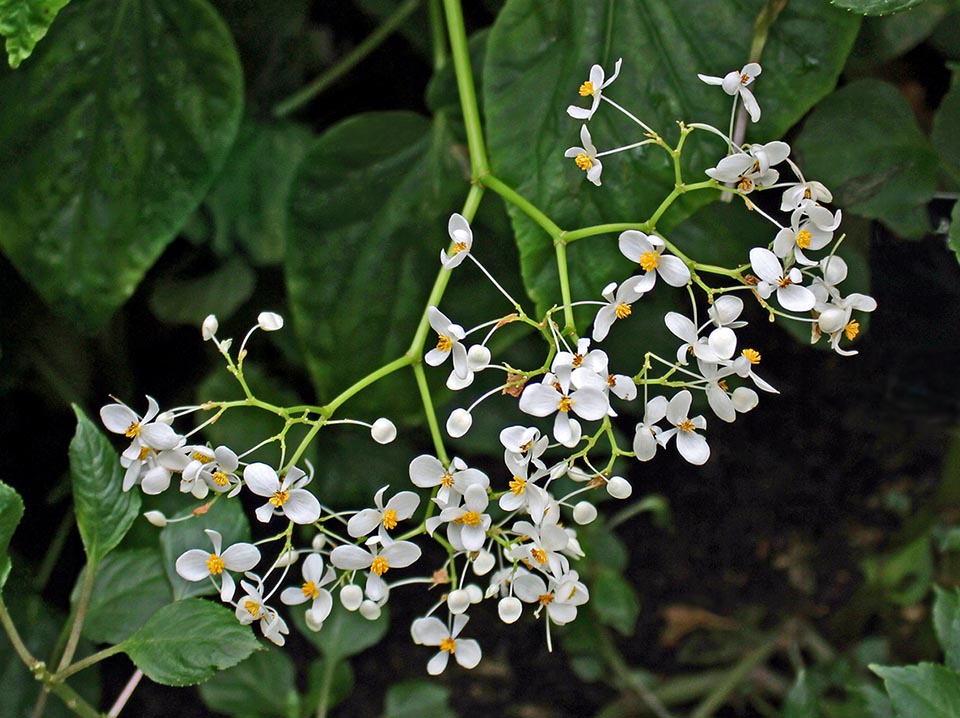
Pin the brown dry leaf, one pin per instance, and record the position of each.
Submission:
(683, 620)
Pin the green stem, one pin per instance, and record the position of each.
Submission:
(347, 63)
(460, 51)
(55, 550)
(326, 683)
(79, 615)
(430, 413)
(610, 653)
(84, 663)
(523, 204)
(437, 35)
(566, 296)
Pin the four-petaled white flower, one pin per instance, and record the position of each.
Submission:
(586, 156)
(554, 395)
(753, 168)
(467, 525)
(149, 460)
(399, 508)
(791, 295)
(197, 564)
(647, 251)
(691, 445)
(461, 237)
(618, 306)
(811, 227)
(645, 437)
(211, 469)
(593, 88)
(734, 83)
(254, 608)
(448, 343)
(314, 580)
(426, 472)
(287, 496)
(560, 599)
(396, 554)
(432, 632)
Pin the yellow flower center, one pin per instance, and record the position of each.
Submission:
(220, 478)
(566, 404)
(751, 355)
(459, 247)
(471, 518)
(744, 78)
(583, 162)
(253, 608)
(389, 519)
(448, 644)
(723, 385)
(380, 565)
(624, 310)
(648, 262)
(215, 565)
(852, 329)
(446, 480)
(518, 486)
(577, 360)
(280, 497)
(444, 343)
(145, 451)
(545, 599)
(310, 590)
(784, 282)
(586, 89)
(202, 458)
(132, 430)
(686, 426)
(745, 184)
(539, 555)
(803, 238)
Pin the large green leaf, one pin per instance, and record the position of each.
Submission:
(242, 692)
(368, 219)
(11, 511)
(946, 621)
(946, 129)
(864, 143)
(539, 53)
(413, 699)
(329, 682)
(876, 7)
(24, 23)
(344, 633)
(616, 602)
(187, 642)
(121, 120)
(104, 511)
(927, 690)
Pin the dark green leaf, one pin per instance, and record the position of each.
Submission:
(923, 691)
(125, 115)
(801, 701)
(262, 686)
(883, 38)
(876, 7)
(344, 633)
(946, 621)
(946, 130)
(615, 601)
(187, 642)
(904, 575)
(954, 236)
(226, 516)
(175, 300)
(415, 699)
(24, 23)
(539, 53)
(339, 681)
(129, 587)
(888, 172)
(11, 511)
(364, 245)
(104, 511)
(598, 540)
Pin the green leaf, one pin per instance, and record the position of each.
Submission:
(881, 39)
(905, 575)
(225, 516)
(946, 129)
(24, 23)
(616, 602)
(889, 172)
(104, 511)
(344, 633)
(187, 642)
(417, 698)
(262, 686)
(339, 680)
(176, 300)
(598, 540)
(876, 7)
(364, 244)
(801, 701)
(924, 691)
(11, 511)
(125, 114)
(946, 622)
(129, 587)
(539, 53)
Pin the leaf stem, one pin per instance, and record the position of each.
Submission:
(85, 663)
(79, 615)
(302, 96)
(523, 204)
(460, 51)
(326, 683)
(610, 653)
(430, 413)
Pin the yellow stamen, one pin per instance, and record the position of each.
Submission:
(744, 78)
(220, 478)
(566, 404)
(539, 555)
(784, 282)
(751, 355)
(380, 565)
(449, 645)
(852, 329)
(545, 599)
(253, 608)
(202, 458)
(723, 385)
(686, 426)
(745, 184)
(446, 480)
(145, 451)
(389, 519)
(444, 343)
(280, 497)
(611, 381)
(459, 247)
(215, 565)
(624, 310)
(586, 89)
(648, 262)
(132, 430)
(518, 486)
(577, 360)
(471, 518)
(583, 162)
(310, 590)
(803, 238)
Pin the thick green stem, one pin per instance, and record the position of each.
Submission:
(430, 413)
(523, 204)
(326, 683)
(371, 43)
(85, 663)
(460, 51)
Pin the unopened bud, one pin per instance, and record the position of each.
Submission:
(585, 512)
(351, 597)
(210, 327)
(156, 518)
(509, 609)
(269, 321)
(478, 357)
(458, 601)
(459, 423)
(370, 610)
(483, 563)
(383, 431)
(619, 488)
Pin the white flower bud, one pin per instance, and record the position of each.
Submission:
(509, 609)
(210, 327)
(585, 512)
(312, 623)
(269, 321)
(156, 518)
(478, 357)
(383, 431)
(351, 597)
(475, 593)
(579, 475)
(287, 558)
(619, 488)
(459, 423)
(318, 542)
(483, 563)
(225, 345)
(458, 601)
(370, 610)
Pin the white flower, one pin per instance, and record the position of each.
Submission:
(461, 237)
(253, 608)
(753, 168)
(795, 194)
(541, 547)
(726, 404)
(314, 579)
(586, 156)
(467, 525)
(744, 364)
(151, 435)
(647, 251)
(737, 82)
(791, 295)
(426, 472)
(399, 508)
(211, 469)
(811, 227)
(554, 395)
(593, 88)
(691, 445)
(618, 305)
(397, 554)
(645, 438)
(197, 564)
(719, 345)
(523, 444)
(432, 632)
(448, 343)
(835, 320)
(269, 321)
(561, 599)
(288, 496)
(725, 310)
(209, 328)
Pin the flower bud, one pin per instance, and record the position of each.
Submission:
(318, 542)
(210, 327)
(585, 512)
(370, 610)
(269, 321)
(509, 609)
(459, 423)
(579, 475)
(619, 488)
(351, 597)
(312, 623)
(287, 558)
(475, 593)
(458, 601)
(383, 431)
(483, 563)
(156, 518)
(478, 357)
